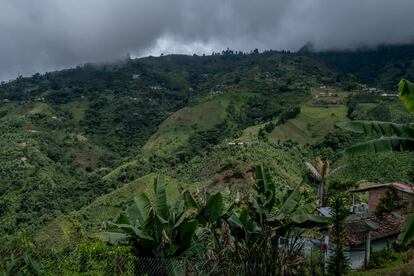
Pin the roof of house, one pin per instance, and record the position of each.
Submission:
(390, 225)
(325, 211)
(360, 226)
(404, 187)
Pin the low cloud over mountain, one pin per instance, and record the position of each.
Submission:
(52, 34)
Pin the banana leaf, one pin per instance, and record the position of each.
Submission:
(139, 210)
(406, 93)
(290, 204)
(302, 216)
(378, 128)
(186, 233)
(189, 200)
(212, 210)
(407, 233)
(161, 206)
(381, 145)
(144, 239)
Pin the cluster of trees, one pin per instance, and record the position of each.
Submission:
(283, 117)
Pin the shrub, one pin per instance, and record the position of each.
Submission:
(382, 258)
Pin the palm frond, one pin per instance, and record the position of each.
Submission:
(314, 171)
(331, 172)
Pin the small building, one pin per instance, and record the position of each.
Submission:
(389, 95)
(366, 231)
(377, 191)
(328, 94)
(373, 90)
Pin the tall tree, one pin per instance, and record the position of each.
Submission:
(338, 263)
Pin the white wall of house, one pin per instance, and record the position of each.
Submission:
(356, 254)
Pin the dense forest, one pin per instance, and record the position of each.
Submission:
(77, 145)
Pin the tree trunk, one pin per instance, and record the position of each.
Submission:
(321, 194)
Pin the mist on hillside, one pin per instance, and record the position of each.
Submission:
(56, 34)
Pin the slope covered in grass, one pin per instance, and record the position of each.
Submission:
(311, 125)
(175, 131)
(223, 167)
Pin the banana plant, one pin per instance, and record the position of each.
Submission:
(389, 136)
(267, 210)
(321, 170)
(265, 217)
(153, 228)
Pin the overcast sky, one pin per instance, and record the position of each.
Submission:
(45, 35)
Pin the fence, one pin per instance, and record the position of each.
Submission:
(118, 265)
(96, 259)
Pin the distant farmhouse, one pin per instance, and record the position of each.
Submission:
(382, 93)
(328, 94)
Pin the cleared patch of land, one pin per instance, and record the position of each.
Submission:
(177, 129)
(311, 125)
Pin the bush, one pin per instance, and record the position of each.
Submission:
(382, 258)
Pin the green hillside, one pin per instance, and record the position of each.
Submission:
(175, 131)
(311, 125)
(66, 231)
(76, 145)
(208, 172)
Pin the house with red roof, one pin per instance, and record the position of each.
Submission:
(377, 191)
(366, 231)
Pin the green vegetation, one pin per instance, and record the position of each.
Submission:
(311, 125)
(175, 132)
(338, 262)
(79, 145)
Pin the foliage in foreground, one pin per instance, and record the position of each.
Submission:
(261, 230)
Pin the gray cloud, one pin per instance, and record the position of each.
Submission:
(51, 34)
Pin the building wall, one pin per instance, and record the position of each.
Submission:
(374, 197)
(356, 254)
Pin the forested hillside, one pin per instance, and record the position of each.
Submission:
(77, 145)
